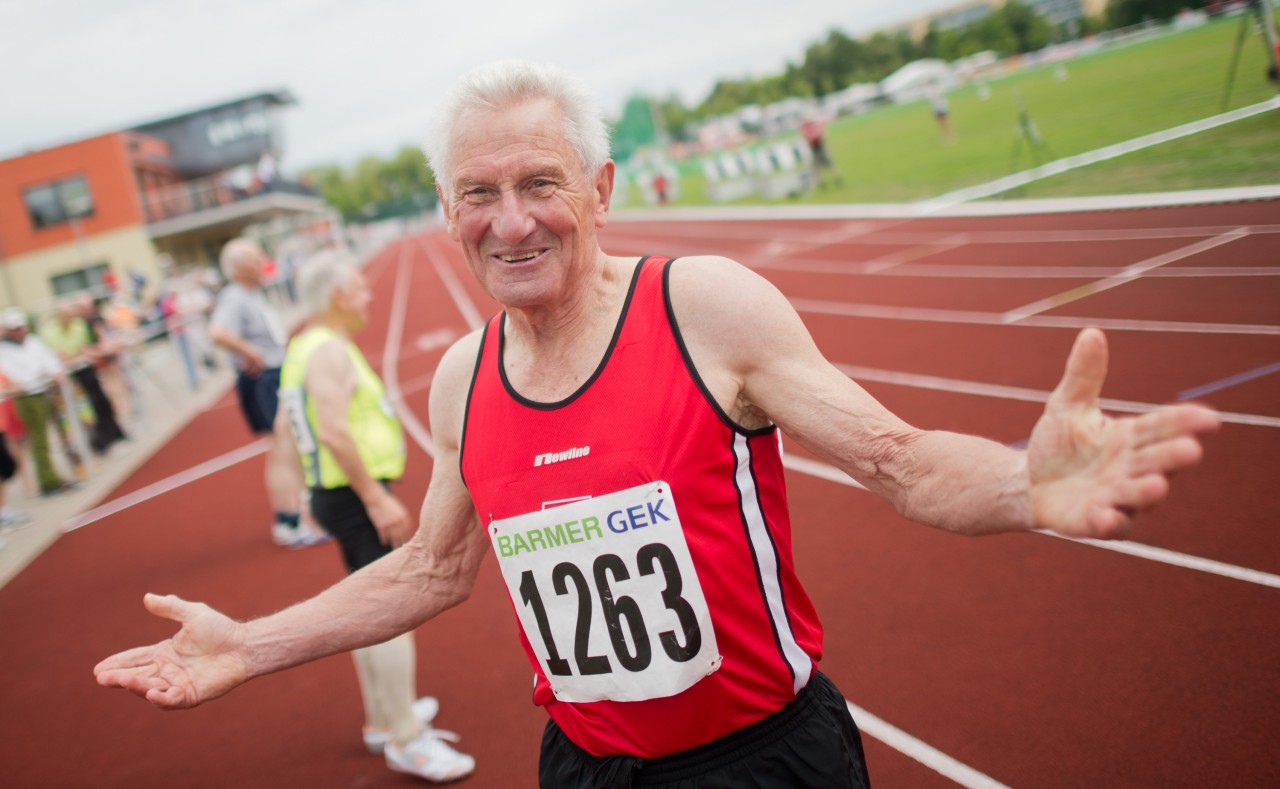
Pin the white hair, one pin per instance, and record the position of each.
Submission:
(506, 83)
(321, 275)
(234, 253)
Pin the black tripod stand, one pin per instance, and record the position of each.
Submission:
(1254, 14)
(1027, 133)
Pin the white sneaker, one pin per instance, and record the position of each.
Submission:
(424, 709)
(294, 537)
(11, 519)
(429, 756)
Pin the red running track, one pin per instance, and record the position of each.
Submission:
(1023, 660)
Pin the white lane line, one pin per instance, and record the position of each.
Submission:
(926, 314)
(1176, 559)
(830, 473)
(390, 352)
(922, 752)
(167, 484)
(752, 230)
(981, 389)
(470, 313)
(1000, 185)
(934, 271)
(1129, 274)
(391, 355)
(820, 470)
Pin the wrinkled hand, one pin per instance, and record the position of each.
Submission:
(391, 519)
(200, 663)
(1090, 473)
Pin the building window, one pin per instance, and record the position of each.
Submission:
(88, 278)
(59, 201)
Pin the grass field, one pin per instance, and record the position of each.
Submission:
(896, 154)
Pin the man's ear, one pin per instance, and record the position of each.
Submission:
(449, 224)
(604, 191)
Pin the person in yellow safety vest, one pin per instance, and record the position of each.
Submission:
(351, 446)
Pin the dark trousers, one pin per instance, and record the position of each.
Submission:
(812, 743)
(106, 431)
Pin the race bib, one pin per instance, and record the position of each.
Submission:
(608, 597)
(295, 409)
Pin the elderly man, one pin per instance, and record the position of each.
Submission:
(32, 369)
(656, 509)
(249, 328)
(333, 407)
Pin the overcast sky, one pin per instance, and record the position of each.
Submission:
(367, 72)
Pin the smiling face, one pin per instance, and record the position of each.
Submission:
(521, 206)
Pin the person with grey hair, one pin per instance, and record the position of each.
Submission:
(245, 324)
(612, 438)
(335, 412)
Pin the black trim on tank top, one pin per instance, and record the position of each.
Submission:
(604, 361)
(693, 371)
(466, 412)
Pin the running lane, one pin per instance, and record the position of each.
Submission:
(1018, 660)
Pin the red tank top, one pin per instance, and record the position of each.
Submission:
(625, 622)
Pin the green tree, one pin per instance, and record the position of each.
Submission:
(1028, 30)
(376, 187)
(1123, 13)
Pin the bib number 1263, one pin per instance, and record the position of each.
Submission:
(608, 596)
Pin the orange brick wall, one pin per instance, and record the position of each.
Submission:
(104, 163)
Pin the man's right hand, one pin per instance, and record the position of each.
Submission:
(391, 519)
(251, 363)
(203, 661)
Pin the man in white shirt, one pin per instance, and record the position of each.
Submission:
(32, 367)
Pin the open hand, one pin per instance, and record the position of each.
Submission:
(1090, 473)
(201, 662)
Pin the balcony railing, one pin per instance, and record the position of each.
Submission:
(202, 194)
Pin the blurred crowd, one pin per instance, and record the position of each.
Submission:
(73, 378)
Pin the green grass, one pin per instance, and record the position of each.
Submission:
(896, 153)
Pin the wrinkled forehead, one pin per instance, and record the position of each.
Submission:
(529, 130)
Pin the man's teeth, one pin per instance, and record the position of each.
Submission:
(517, 258)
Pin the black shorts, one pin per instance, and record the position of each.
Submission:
(259, 398)
(8, 467)
(340, 512)
(812, 742)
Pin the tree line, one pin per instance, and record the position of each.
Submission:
(838, 61)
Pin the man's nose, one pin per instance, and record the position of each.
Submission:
(513, 222)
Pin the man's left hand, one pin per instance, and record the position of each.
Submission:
(1091, 474)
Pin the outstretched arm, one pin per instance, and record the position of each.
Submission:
(212, 654)
(1084, 474)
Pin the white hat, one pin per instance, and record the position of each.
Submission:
(13, 318)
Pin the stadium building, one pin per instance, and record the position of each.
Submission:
(111, 207)
(1060, 13)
